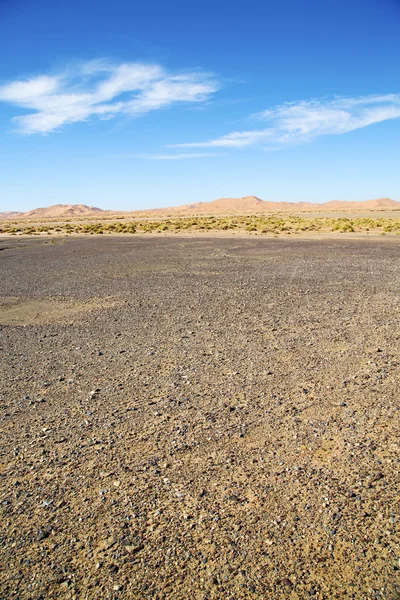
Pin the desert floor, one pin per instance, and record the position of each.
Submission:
(199, 418)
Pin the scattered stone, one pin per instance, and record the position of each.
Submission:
(43, 534)
(191, 509)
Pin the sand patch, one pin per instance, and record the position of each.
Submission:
(22, 311)
(328, 451)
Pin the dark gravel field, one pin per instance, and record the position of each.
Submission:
(199, 419)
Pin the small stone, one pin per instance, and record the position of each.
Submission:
(113, 568)
(287, 582)
(312, 592)
(234, 498)
(43, 534)
(134, 549)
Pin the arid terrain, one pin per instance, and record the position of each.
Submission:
(248, 205)
(199, 418)
(248, 215)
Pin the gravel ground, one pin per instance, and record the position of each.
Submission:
(199, 418)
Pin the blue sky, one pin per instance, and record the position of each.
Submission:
(132, 105)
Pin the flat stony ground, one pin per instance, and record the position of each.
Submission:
(199, 418)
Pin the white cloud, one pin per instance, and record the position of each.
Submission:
(22, 92)
(97, 88)
(298, 122)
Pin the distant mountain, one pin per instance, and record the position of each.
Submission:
(222, 206)
(245, 204)
(252, 204)
(63, 210)
(9, 214)
(381, 203)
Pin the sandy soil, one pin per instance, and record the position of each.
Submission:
(213, 234)
(204, 418)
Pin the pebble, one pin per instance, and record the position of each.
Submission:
(110, 524)
(43, 534)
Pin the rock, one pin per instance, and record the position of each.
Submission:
(234, 498)
(134, 549)
(113, 568)
(43, 533)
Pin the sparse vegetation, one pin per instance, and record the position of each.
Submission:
(258, 224)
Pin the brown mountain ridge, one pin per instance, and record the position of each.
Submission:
(222, 206)
(254, 204)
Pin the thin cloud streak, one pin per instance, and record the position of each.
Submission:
(99, 89)
(299, 122)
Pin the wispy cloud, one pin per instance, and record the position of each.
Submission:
(298, 122)
(103, 90)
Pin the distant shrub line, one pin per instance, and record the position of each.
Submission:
(272, 224)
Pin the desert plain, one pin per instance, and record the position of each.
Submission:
(199, 417)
